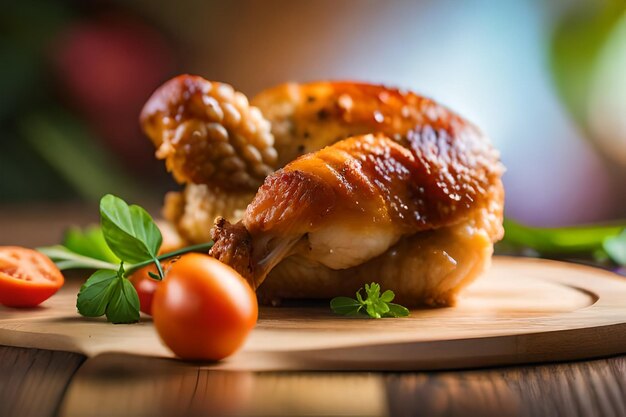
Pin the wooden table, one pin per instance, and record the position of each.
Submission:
(46, 383)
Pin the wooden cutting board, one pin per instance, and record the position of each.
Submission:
(521, 311)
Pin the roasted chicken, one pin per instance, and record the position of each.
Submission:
(213, 141)
(391, 187)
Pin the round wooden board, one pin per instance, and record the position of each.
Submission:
(521, 311)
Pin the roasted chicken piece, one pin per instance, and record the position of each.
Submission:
(207, 133)
(281, 123)
(393, 188)
(307, 117)
(213, 141)
(421, 219)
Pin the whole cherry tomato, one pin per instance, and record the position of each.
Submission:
(203, 309)
(145, 287)
(27, 277)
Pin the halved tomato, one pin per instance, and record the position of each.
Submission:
(27, 277)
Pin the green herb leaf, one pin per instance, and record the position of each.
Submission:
(376, 310)
(372, 291)
(124, 303)
(345, 306)
(95, 294)
(129, 231)
(615, 247)
(387, 296)
(108, 292)
(89, 242)
(374, 304)
(396, 310)
(66, 259)
(127, 234)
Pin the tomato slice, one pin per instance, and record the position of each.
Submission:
(27, 277)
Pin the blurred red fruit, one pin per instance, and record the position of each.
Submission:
(107, 68)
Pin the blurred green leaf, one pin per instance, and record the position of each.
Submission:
(25, 175)
(20, 78)
(67, 259)
(561, 240)
(89, 242)
(576, 43)
(615, 247)
(345, 306)
(65, 145)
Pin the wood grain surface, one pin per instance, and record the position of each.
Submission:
(33, 381)
(115, 384)
(521, 311)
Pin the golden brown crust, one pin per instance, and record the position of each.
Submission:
(373, 177)
(309, 116)
(233, 247)
(456, 161)
(370, 187)
(208, 134)
(409, 166)
(289, 202)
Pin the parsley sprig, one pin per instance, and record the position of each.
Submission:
(128, 239)
(374, 305)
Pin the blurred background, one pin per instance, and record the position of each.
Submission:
(545, 80)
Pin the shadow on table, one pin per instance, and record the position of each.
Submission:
(115, 384)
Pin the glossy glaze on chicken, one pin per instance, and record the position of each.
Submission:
(411, 199)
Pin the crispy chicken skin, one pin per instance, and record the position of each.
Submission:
(352, 212)
(310, 116)
(377, 184)
(294, 119)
